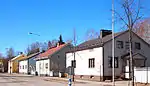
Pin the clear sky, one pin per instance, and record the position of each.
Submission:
(50, 18)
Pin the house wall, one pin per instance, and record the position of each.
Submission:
(41, 67)
(82, 62)
(58, 60)
(32, 65)
(119, 52)
(9, 65)
(15, 63)
(23, 66)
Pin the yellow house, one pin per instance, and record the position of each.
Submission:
(1, 65)
(13, 64)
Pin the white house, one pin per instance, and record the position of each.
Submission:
(23, 66)
(53, 61)
(28, 65)
(93, 58)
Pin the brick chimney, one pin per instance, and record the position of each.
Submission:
(104, 33)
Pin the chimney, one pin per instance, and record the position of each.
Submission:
(21, 53)
(104, 33)
(58, 44)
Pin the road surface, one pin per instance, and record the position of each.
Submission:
(24, 80)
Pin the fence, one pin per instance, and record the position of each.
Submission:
(142, 74)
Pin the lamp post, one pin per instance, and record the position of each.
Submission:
(113, 49)
(30, 33)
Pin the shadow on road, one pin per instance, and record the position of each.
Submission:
(13, 76)
(13, 82)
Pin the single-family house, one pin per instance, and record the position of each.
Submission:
(13, 64)
(1, 65)
(53, 61)
(28, 65)
(93, 58)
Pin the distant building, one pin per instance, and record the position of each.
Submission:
(1, 65)
(93, 58)
(53, 61)
(13, 64)
(28, 65)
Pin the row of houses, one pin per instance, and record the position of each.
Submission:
(91, 59)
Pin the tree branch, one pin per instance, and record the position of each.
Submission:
(137, 14)
(121, 18)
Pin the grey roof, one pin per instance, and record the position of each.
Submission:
(97, 42)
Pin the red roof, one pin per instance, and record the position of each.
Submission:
(50, 51)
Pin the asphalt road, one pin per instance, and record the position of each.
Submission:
(20, 80)
(25, 80)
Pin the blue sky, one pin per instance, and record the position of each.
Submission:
(50, 18)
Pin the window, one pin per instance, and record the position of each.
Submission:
(73, 63)
(120, 44)
(92, 63)
(137, 45)
(46, 65)
(110, 62)
(127, 45)
(23, 67)
(40, 65)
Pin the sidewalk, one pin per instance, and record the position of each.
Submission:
(117, 83)
(17, 75)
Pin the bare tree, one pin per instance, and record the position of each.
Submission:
(33, 48)
(142, 29)
(91, 34)
(10, 53)
(54, 42)
(69, 41)
(131, 10)
(43, 46)
(49, 44)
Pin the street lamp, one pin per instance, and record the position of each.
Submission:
(34, 34)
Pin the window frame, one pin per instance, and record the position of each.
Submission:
(137, 45)
(23, 67)
(110, 62)
(127, 45)
(119, 44)
(91, 63)
(73, 63)
(46, 65)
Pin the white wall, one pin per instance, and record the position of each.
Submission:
(9, 65)
(82, 61)
(42, 69)
(142, 75)
(24, 64)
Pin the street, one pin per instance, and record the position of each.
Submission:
(24, 80)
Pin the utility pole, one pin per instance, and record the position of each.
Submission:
(74, 55)
(113, 48)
